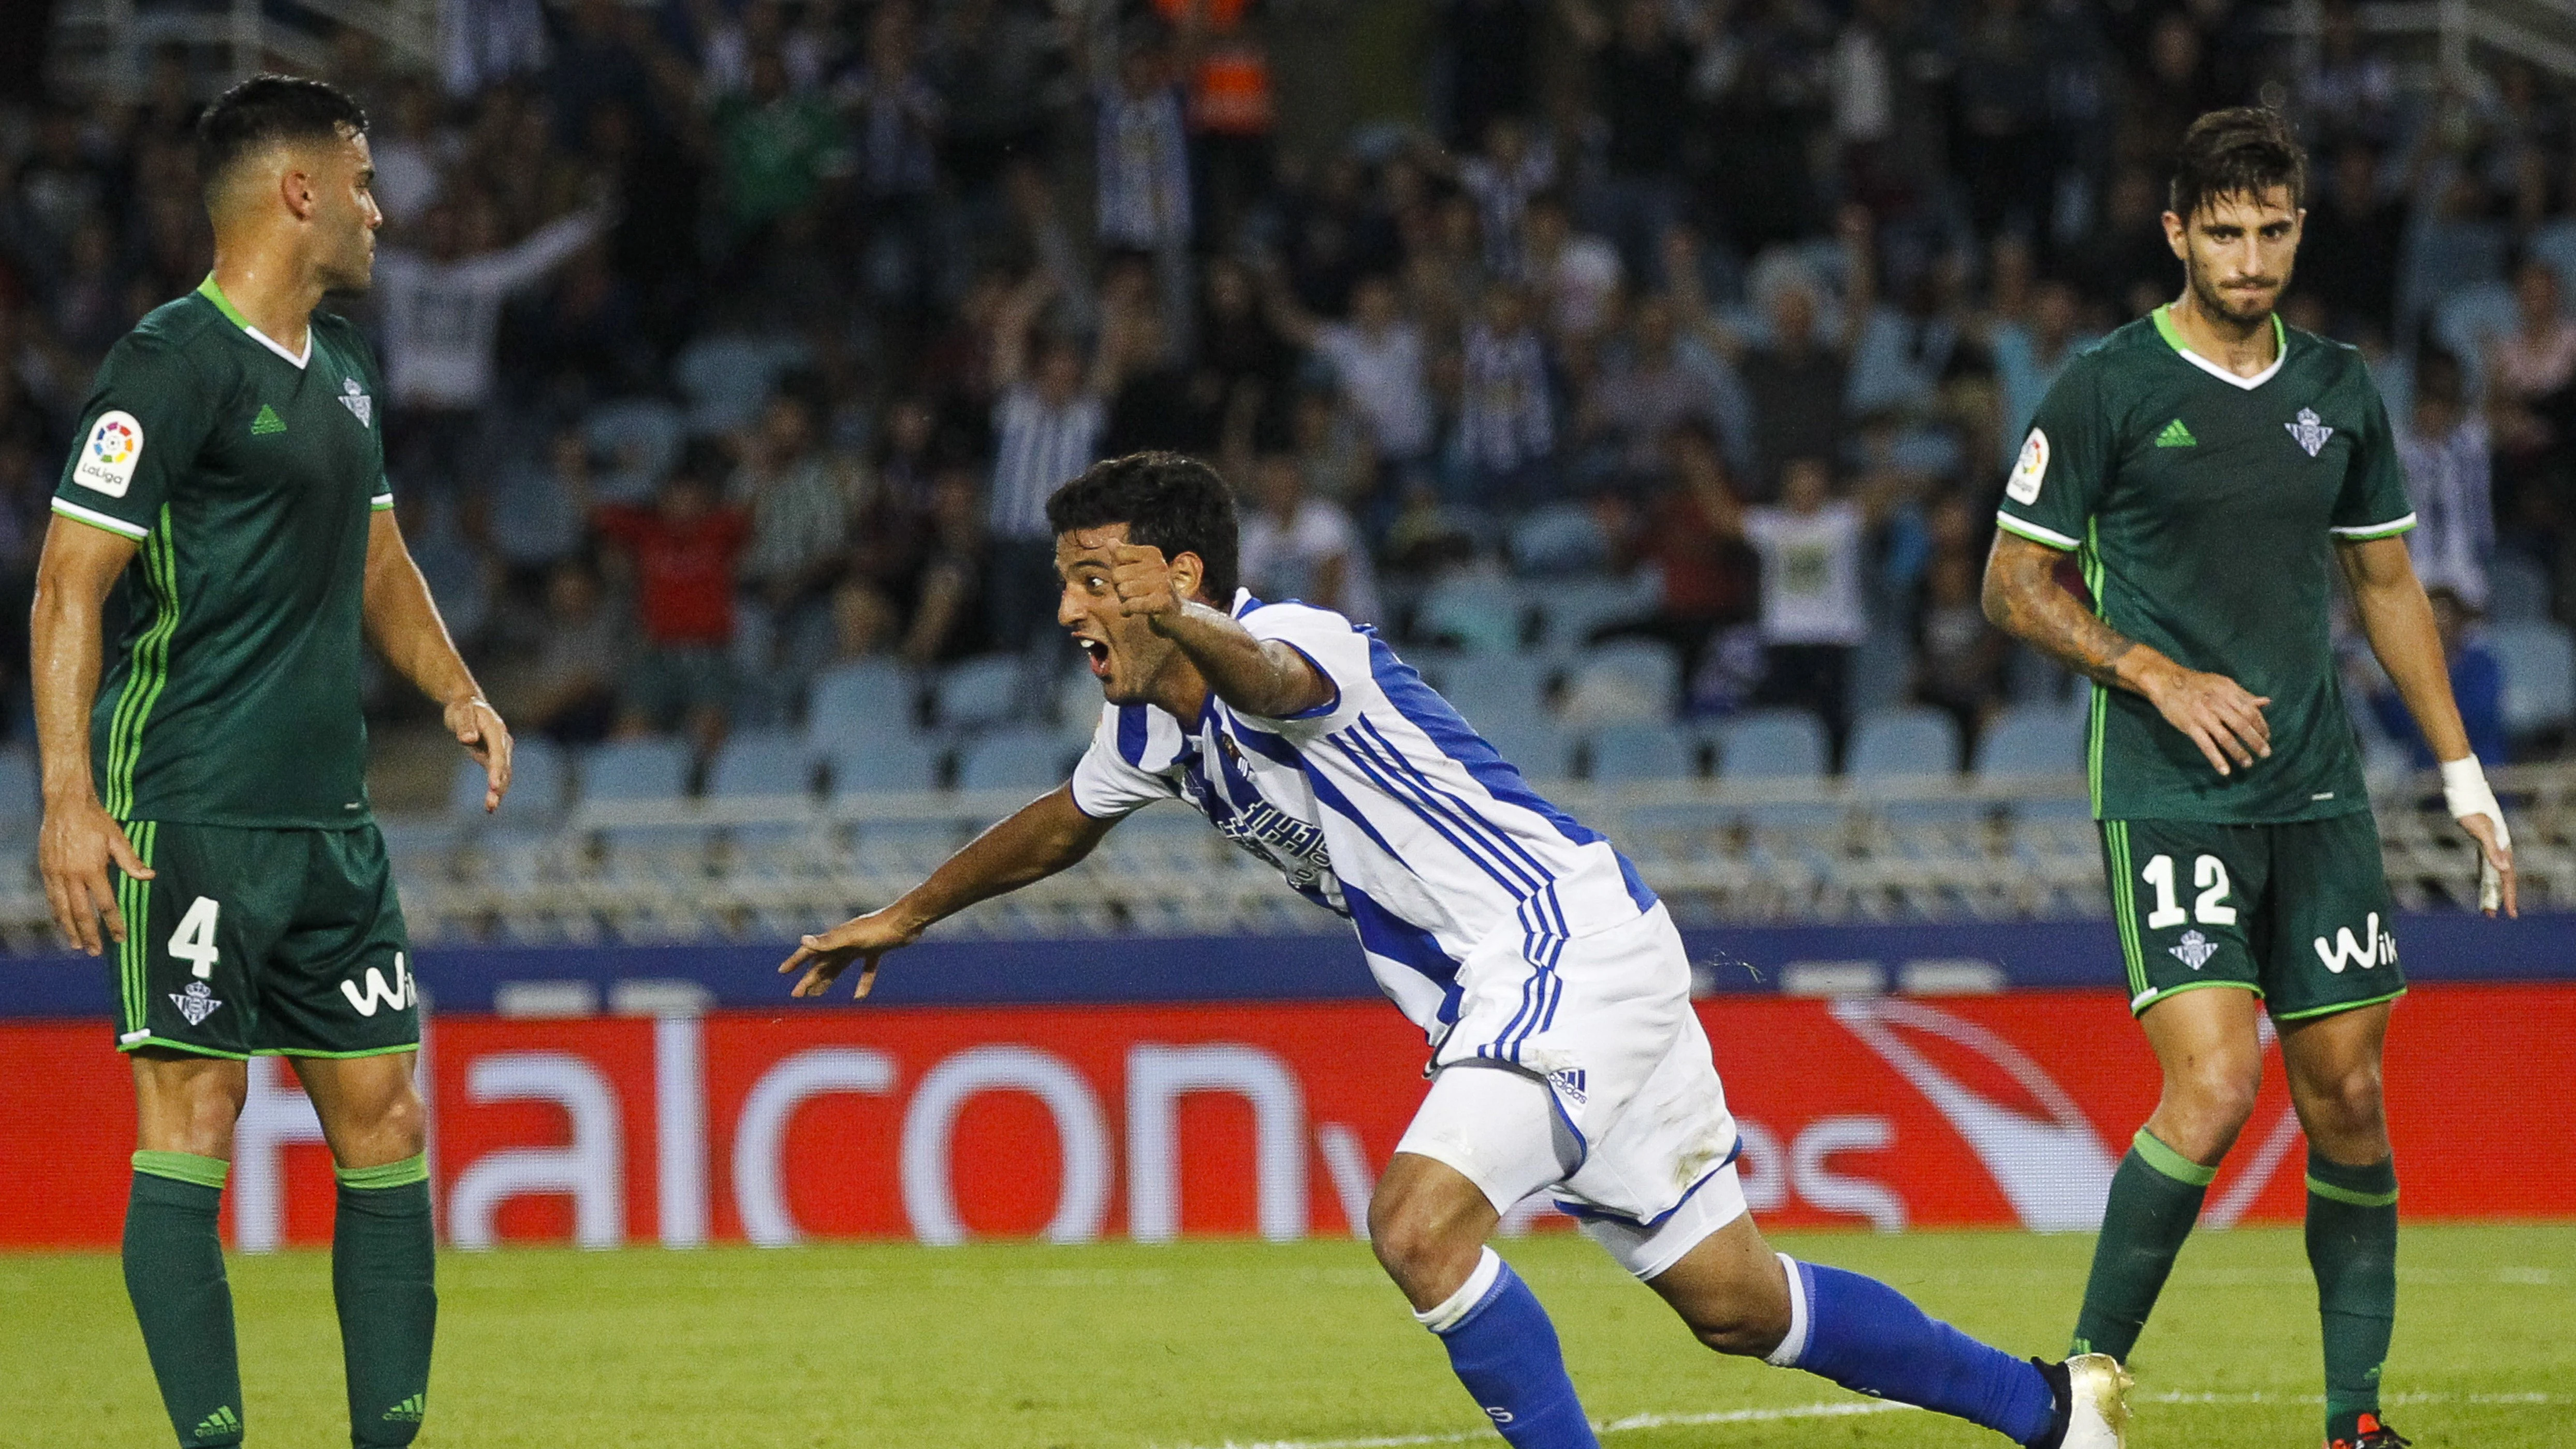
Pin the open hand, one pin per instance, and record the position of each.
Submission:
(78, 842)
(2216, 713)
(865, 939)
(478, 727)
(2495, 855)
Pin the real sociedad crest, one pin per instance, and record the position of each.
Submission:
(364, 407)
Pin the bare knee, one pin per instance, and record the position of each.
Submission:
(2205, 1105)
(2343, 1113)
(1732, 1290)
(188, 1104)
(1428, 1229)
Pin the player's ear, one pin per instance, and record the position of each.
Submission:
(2177, 234)
(1188, 572)
(295, 188)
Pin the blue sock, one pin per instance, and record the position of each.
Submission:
(1504, 1350)
(1866, 1336)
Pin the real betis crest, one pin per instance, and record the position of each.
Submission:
(2311, 433)
(364, 407)
(195, 1003)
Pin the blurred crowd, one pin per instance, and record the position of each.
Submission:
(729, 343)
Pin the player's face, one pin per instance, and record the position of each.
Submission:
(345, 217)
(1126, 655)
(2237, 252)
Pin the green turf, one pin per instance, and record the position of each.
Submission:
(1205, 1343)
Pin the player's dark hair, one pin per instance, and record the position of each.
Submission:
(2243, 151)
(268, 109)
(1171, 502)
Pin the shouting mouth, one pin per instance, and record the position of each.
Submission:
(1097, 653)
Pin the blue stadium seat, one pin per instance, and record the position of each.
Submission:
(1643, 750)
(897, 761)
(2037, 741)
(1489, 689)
(21, 809)
(2517, 590)
(1023, 758)
(983, 691)
(728, 378)
(765, 762)
(2470, 321)
(1771, 744)
(639, 442)
(1625, 669)
(1482, 613)
(2539, 663)
(1573, 609)
(1905, 741)
(859, 702)
(1532, 743)
(642, 769)
(1558, 538)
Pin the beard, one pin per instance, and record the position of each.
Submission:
(2218, 302)
(351, 272)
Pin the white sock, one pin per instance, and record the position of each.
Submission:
(1793, 1347)
(1489, 1266)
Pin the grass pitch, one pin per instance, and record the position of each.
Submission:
(1207, 1344)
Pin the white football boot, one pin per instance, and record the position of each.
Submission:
(2097, 1403)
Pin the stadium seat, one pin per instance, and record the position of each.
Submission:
(1573, 609)
(1628, 679)
(896, 761)
(728, 379)
(2539, 663)
(1023, 758)
(767, 762)
(21, 809)
(1906, 741)
(859, 702)
(2037, 742)
(982, 691)
(642, 770)
(1479, 612)
(1771, 744)
(2469, 322)
(1488, 689)
(1643, 750)
(1532, 743)
(1558, 538)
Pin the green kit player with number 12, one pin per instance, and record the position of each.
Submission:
(2209, 468)
(210, 801)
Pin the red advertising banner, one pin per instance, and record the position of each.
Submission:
(1078, 1123)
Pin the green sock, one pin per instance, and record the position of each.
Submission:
(382, 1266)
(174, 1272)
(2155, 1199)
(2352, 1245)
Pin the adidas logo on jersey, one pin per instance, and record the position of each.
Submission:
(2176, 435)
(267, 422)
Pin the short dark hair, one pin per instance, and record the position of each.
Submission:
(2243, 151)
(265, 110)
(1168, 501)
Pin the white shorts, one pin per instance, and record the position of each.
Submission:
(1608, 1096)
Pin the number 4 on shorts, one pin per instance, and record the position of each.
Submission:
(194, 941)
(2208, 875)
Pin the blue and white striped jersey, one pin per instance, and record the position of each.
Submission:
(1382, 805)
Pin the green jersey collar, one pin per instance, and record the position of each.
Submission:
(212, 293)
(2172, 335)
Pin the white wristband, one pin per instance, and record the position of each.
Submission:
(2465, 793)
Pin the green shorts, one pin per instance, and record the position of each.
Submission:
(2297, 913)
(263, 943)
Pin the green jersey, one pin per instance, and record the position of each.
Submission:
(2202, 506)
(248, 475)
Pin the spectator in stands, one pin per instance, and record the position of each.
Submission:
(683, 551)
(1647, 389)
(776, 146)
(568, 690)
(1692, 535)
(1222, 50)
(2449, 478)
(1575, 274)
(797, 499)
(2029, 353)
(1296, 546)
(1380, 363)
(1506, 415)
(895, 123)
(1047, 424)
(441, 309)
(1641, 91)
(2477, 682)
(1797, 378)
(2352, 242)
(1813, 550)
(2531, 363)
(1501, 179)
(954, 569)
(1958, 656)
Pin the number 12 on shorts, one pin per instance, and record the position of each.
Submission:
(194, 941)
(2208, 876)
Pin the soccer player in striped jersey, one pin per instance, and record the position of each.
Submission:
(210, 802)
(1550, 981)
(2212, 470)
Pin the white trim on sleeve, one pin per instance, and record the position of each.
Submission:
(2034, 532)
(2376, 530)
(96, 519)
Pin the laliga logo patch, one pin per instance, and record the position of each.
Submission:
(195, 1003)
(2029, 469)
(359, 404)
(115, 446)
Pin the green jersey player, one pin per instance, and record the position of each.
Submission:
(2211, 470)
(210, 800)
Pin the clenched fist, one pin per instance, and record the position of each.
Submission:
(1142, 579)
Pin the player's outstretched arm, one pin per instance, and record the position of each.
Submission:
(79, 837)
(403, 620)
(1261, 677)
(2023, 598)
(1046, 835)
(2398, 620)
